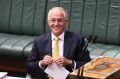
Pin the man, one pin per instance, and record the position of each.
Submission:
(71, 54)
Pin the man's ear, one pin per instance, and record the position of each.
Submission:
(66, 21)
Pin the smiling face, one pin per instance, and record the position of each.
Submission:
(57, 21)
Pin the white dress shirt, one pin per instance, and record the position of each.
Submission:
(60, 43)
(61, 46)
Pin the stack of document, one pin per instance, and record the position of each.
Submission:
(3, 75)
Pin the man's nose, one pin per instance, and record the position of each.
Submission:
(56, 22)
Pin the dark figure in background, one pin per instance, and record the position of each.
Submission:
(70, 47)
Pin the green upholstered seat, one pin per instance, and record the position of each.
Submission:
(13, 45)
(98, 49)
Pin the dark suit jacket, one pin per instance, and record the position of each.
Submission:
(73, 45)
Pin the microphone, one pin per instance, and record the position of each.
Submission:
(88, 41)
(92, 38)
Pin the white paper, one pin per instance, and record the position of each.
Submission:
(9, 77)
(57, 72)
(3, 74)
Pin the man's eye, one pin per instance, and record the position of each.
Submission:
(60, 20)
(52, 20)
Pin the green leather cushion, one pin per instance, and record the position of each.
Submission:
(23, 17)
(14, 45)
(98, 49)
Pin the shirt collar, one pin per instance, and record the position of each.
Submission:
(61, 36)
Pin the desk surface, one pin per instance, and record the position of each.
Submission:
(100, 68)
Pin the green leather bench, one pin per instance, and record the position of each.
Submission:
(22, 20)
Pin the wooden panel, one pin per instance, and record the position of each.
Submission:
(13, 65)
(101, 68)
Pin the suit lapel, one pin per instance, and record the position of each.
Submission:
(49, 45)
(67, 44)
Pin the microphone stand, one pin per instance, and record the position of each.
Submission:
(91, 39)
(80, 73)
(81, 69)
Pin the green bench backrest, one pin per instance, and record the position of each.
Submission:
(29, 17)
(100, 17)
(22, 16)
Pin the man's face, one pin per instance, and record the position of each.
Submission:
(57, 22)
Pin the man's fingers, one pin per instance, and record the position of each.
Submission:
(47, 60)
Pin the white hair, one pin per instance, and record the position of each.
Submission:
(58, 8)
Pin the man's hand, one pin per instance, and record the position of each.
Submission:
(62, 61)
(47, 60)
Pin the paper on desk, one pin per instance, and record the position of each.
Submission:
(57, 72)
(10, 77)
(2, 74)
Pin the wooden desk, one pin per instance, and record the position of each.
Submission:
(100, 68)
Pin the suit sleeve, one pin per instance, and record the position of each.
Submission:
(33, 62)
(82, 56)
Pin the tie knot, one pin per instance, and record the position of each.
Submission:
(56, 38)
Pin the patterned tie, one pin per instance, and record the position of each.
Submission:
(55, 53)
